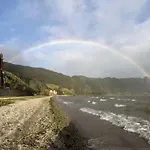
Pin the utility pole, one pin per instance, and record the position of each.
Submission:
(1, 71)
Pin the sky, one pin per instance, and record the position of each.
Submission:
(123, 26)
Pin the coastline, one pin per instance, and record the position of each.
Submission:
(68, 136)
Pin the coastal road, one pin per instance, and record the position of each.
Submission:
(110, 122)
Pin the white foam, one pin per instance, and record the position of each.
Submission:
(96, 97)
(68, 103)
(93, 103)
(119, 105)
(112, 98)
(129, 123)
(89, 101)
(133, 100)
(129, 100)
(91, 143)
(118, 99)
(103, 100)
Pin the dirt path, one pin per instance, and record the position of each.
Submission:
(25, 125)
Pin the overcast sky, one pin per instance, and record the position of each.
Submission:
(122, 25)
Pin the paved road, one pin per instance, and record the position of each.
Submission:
(108, 122)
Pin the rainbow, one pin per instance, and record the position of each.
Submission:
(56, 42)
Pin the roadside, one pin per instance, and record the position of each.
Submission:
(4, 102)
(26, 125)
(37, 124)
(10, 100)
(68, 136)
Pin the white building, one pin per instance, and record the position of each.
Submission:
(52, 92)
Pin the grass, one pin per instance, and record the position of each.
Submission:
(66, 134)
(5, 102)
(59, 117)
(9, 100)
(20, 97)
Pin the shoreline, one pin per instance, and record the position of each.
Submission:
(68, 136)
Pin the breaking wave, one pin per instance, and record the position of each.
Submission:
(133, 100)
(103, 100)
(68, 103)
(94, 103)
(128, 123)
(119, 105)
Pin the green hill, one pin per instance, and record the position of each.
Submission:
(39, 74)
(13, 82)
(42, 80)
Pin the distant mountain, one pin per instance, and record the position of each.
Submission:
(39, 74)
(42, 80)
(39, 79)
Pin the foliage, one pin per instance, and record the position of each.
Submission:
(13, 82)
(38, 74)
(42, 80)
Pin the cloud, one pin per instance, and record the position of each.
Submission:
(10, 53)
(28, 9)
(10, 48)
(123, 26)
(113, 23)
(81, 59)
(95, 19)
(13, 42)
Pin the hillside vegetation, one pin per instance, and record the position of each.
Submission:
(42, 80)
(13, 82)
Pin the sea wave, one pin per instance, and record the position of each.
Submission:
(68, 103)
(112, 98)
(93, 103)
(133, 100)
(119, 105)
(128, 123)
(103, 100)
